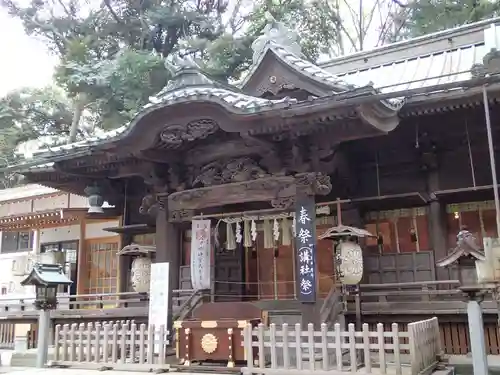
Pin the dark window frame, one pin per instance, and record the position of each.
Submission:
(60, 245)
(17, 249)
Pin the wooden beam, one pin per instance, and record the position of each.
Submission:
(279, 191)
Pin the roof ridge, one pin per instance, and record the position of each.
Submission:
(469, 34)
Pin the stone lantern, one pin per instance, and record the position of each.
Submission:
(46, 278)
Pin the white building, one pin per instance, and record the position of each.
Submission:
(35, 220)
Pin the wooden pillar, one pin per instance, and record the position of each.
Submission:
(168, 249)
(437, 225)
(82, 266)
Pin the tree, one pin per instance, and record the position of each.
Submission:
(106, 63)
(420, 17)
(28, 114)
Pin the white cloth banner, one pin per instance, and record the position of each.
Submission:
(200, 254)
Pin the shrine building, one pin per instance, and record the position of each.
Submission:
(236, 185)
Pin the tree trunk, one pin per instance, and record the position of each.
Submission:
(78, 106)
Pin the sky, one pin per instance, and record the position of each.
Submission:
(24, 60)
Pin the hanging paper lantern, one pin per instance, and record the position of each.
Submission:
(140, 274)
(350, 267)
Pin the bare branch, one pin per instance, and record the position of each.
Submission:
(107, 3)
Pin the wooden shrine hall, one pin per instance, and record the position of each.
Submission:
(235, 185)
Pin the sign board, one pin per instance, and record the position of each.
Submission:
(200, 254)
(305, 245)
(158, 296)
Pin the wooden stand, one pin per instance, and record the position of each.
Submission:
(215, 333)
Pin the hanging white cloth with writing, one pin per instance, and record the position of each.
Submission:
(200, 254)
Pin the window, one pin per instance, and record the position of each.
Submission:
(102, 265)
(70, 251)
(14, 242)
(70, 248)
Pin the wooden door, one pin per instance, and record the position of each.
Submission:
(101, 265)
(229, 274)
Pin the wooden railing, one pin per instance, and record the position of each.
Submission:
(283, 349)
(128, 304)
(426, 297)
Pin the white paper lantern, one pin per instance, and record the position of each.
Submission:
(140, 274)
(351, 263)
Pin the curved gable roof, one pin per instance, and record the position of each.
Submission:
(282, 44)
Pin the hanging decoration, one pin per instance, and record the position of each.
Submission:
(285, 232)
(243, 230)
(254, 230)
(276, 230)
(239, 236)
(268, 236)
(230, 238)
(247, 238)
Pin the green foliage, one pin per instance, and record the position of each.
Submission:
(428, 16)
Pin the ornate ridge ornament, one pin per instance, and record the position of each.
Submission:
(276, 33)
(175, 135)
(209, 343)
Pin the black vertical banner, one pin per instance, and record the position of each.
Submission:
(305, 247)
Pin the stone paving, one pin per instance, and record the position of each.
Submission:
(70, 371)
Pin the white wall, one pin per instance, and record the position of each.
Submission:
(43, 236)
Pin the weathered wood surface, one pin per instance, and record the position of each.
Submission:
(427, 297)
(127, 346)
(95, 306)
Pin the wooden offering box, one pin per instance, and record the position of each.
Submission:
(215, 333)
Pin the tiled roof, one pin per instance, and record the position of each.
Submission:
(189, 85)
(366, 70)
(439, 58)
(280, 41)
(423, 71)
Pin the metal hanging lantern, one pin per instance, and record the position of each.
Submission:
(96, 200)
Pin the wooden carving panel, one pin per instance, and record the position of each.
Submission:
(279, 191)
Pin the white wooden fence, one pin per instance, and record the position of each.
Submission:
(7, 335)
(425, 345)
(276, 350)
(125, 345)
(290, 350)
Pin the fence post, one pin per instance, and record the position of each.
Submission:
(57, 334)
(247, 339)
(412, 343)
